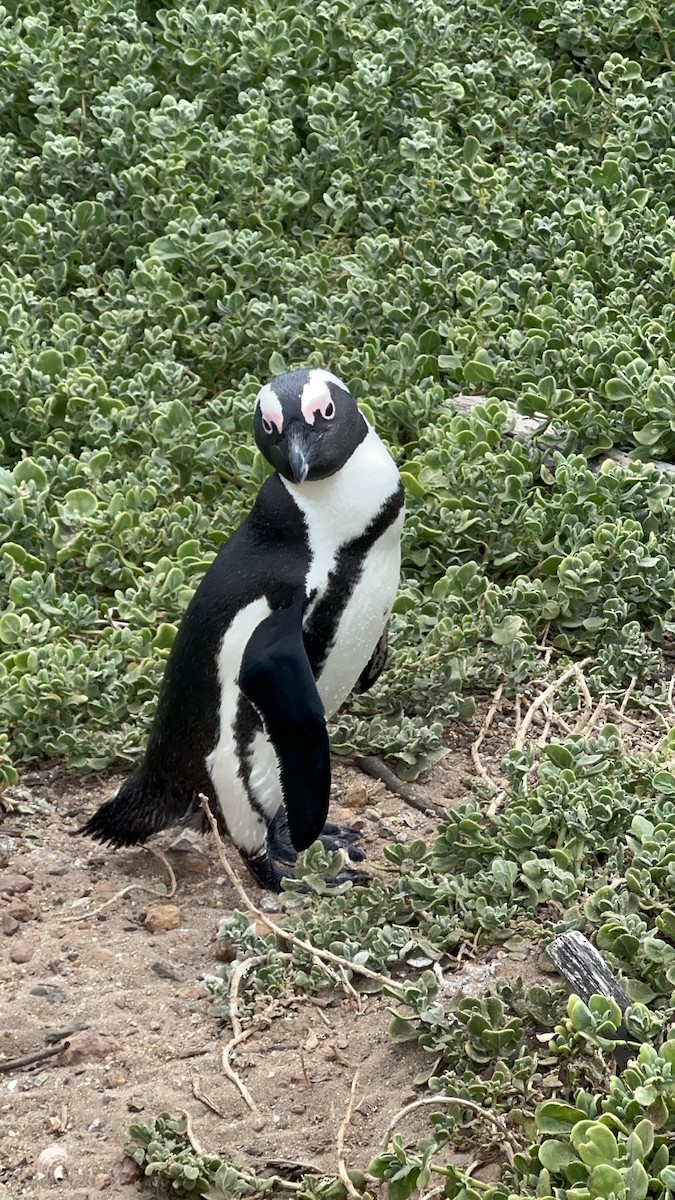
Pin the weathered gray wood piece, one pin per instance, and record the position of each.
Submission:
(587, 974)
(585, 969)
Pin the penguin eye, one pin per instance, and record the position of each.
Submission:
(329, 411)
(267, 425)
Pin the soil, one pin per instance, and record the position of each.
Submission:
(144, 1038)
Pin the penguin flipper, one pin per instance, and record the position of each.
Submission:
(374, 668)
(276, 677)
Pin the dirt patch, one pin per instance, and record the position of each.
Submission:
(144, 1036)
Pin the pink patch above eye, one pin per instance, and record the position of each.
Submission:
(317, 403)
(271, 412)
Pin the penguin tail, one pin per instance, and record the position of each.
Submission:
(138, 809)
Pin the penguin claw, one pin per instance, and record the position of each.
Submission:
(340, 843)
(346, 833)
(347, 876)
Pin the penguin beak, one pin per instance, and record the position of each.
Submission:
(299, 451)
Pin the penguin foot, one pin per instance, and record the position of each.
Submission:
(263, 869)
(279, 839)
(346, 833)
(348, 876)
(332, 837)
(340, 843)
(268, 875)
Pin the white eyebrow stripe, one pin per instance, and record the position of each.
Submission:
(270, 407)
(316, 391)
(326, 377)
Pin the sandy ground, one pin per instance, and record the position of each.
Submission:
(144, 1037)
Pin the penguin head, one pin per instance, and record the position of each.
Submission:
(307, 424)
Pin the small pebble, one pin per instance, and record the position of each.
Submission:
(17, 791)
(20, 910)
(14, 884)
(9, 924)
(101, 955)
(46, 860)
(258, 1123)
(223, 950)
(162, 918)
(7, 848)
(184, 844)
(298, 1109)
(165, 971)
(115, 1078)
(21, 951)
(50, 991)
(88, 1047)
(356, 796)
(127, 1172)
(96, 1124)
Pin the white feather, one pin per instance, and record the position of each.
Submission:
(245, 826)
(337, 510)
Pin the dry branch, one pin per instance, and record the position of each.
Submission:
(476, 745)
(585, 969)
(27, 1060)
(511, 1145)
(87, 914)
(342, 1132)
(200, 1095)
(373, 766)
(525, 428)
(543, 699)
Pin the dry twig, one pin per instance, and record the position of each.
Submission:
(191, 1135)
(477, 743)
(320, 957)
(27, 1060)
(496, 802)
(260, 1022)
(87, 914)
(629, 692)
(583, 686)
(199, 1095)
(511, 1145)
(236, 977)
(373, 766)
(342, 1131)
(543, 697)
(519, 715)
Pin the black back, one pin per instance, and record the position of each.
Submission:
(268, 555)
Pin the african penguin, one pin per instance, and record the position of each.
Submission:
(290, 617)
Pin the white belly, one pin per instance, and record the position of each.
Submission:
(337, 510)
(246, 826)
(363, 620)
